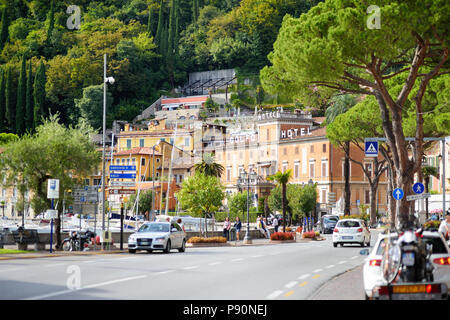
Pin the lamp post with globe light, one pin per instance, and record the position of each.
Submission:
(105, 81)
(244, 178)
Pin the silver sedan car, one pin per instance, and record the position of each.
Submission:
(158, 236)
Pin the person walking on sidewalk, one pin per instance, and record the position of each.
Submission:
(226, 228)
(263, 226)
(275, 223)
(238, 226)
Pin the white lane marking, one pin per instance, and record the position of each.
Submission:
(354, 257)
(15, 269)
(341, 262)
(238, 259)
(317, 270)
(53, 265)
(164, 272)
(189, 268)
(330, 266)
(275, 253)
(274, 294)
(291, 284)
(127, 258)
(53, 294)
(304, 276)
(257, 256)
(215, 263)
(89, 261)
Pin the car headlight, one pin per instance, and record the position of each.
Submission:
(160, 240)
(132, 238)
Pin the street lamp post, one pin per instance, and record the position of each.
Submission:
(310, 182)
(242, 178)
(105, 81)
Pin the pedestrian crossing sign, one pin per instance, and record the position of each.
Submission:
(371, 148)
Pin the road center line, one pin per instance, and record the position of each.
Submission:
(274, 294)
(164, 272)
(304, 276)
(214, 263)
(238, 259)
(188, 268)
(303, 284)
(257, 256)
(53, 294)
(341, 262)
(289, 293)
(316, 276)
(330, 266)
(354, 257)
(291, 284)
(317, 270)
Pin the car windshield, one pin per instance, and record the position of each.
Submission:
(329, 220)
(348, 224)
(438, 245)
(154, 227)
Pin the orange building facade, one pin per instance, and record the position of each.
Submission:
(278, 141)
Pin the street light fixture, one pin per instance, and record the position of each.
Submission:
(105, 81)
(245, 177)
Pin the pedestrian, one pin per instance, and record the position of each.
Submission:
(444, 227)
(275, 223)
(265, 231)
(237, 226)
(180, 223)
(226, 228)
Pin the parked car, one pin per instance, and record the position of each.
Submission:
(327, 223)
(440, 257)
(158, 236)
(348, 231)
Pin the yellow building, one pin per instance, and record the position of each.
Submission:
(134, 136)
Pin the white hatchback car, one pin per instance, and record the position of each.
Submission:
(158, 236)
(440, 257)
(351, 231)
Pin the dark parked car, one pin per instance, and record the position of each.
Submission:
(327, 223)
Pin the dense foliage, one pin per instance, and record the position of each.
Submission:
(52, 64)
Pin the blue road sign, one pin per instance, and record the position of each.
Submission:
(371, 148)
(418, 188)
(122, 175)
(122, 168)
(398, 194)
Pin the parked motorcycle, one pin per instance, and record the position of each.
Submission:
(78, 242)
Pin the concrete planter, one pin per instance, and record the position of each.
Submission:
(283, 241)
(200, 245)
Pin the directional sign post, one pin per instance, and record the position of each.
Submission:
(418, 188)
(122, 175)
(418, 196)
(398, 194)
(122, 168)
(371, 148)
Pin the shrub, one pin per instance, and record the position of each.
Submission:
(207, 240)
(282, 236)
(431, 225)
(363, 216)
(299, 230)
(309, 235)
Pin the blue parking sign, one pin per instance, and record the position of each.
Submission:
(371, 148)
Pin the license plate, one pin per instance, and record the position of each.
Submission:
(408, 258)
(409, 289)
(144, 243)
(347, 238)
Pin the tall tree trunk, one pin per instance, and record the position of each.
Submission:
(373, 203)
(347, 192)
(283, 205)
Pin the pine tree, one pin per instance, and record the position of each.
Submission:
(172, 30)
(39, 95)
(164, 42)
(29, 100)
(151, 22)
(160, 28)
(195, 10)
(4, 29)
(21, 97)
(177, 27)
(2, 102)
(10, 98)
(51, 24)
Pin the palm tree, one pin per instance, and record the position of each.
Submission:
(282, 178)
(209, 167)
(427, 172)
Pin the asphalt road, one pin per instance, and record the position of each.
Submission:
(297, 271)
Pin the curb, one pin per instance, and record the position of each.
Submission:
(58, 254)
